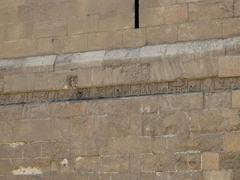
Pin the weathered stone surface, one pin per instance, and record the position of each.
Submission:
(231, 142)
(228, 66)
(210, 161)
(154, 112)
(236, 99)
(218, 175)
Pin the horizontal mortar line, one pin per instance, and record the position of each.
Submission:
(124, 91)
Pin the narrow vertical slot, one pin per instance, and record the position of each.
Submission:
(136, 14)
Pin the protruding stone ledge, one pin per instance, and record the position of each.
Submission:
(161, 63)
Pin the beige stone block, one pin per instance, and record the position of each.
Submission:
(213, 120)
(76, 43)
(156, 3)
(17, 31)
(115, 21)
(21, 47)
(210, 10)
(134, 37)
(29, 130)
(85, 24)
(105, 40)
(163, 15)
(169, 68)
(200, 30)
(37, 81)
(236, 99)
(2, 33)
(50, 45)
(218, 175)
(237, 8)
(16, 83)
(218, 100)
(162, 34)
(181, 102)
(232, 142)
(188, 161)
(231, 27)
(49, 29)
(114, 164)
(87, 164)
(210, 161)
(7, 130)
(229, 66)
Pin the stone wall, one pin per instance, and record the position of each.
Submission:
(163, 112)
(38, 27)
(84, 95)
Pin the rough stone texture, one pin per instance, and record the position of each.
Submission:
(157, 112)
(153, 137)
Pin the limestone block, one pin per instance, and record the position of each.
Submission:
(235, 99)
(114, 164)
(174, 14)
(167, 124)
(210, 10)
(115, 146)
(186, 67)
(84, 24)
(162, 34)
(87, 164)
(37, 81)
(231, 142)
(55, 150)
(218, 100)
(7, 131)
(38, 64)
(144, 163)
(80, 127)
(213, 120)
(50, 45)
(105, 40)
(13, 112)
(188, 161)
(17, 31)
(179, 175)
(218, 175)
(210, 161)
(134, 37)
(33, 130)
(181, 102)
(156, 3)
(5, 167)
(36, 111)
(49, 29)
(229, 66)
(237, 8)
(76, 43)
(200, 30)
(115, 21)
(21, 47)
(111, 126)
(86, 146)
(11, 150)
(231, 27)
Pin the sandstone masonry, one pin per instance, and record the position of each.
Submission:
(84, 95)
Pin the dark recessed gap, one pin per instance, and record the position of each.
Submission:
(136, 23)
